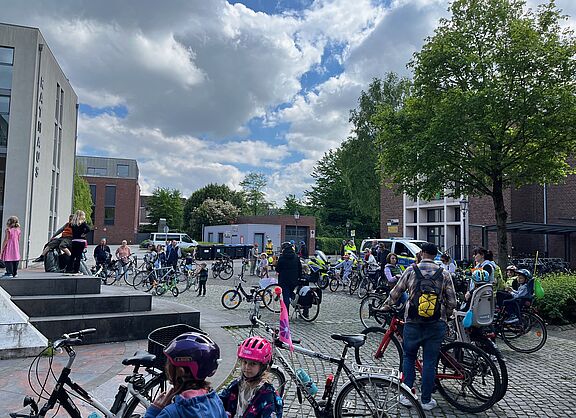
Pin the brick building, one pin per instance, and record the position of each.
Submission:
(115, 197)
(457, 225)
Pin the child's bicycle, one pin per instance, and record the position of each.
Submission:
(131, 400)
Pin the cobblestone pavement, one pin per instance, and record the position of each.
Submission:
(541, 384)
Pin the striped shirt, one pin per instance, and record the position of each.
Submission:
(408, 283)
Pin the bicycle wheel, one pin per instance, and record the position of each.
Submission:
(354, 282)
(175, 291)
(182, 282)
(138, 278)
(149, 282)
(135, 408)
(265, 297)
(363, 288)
(278, 380)
(334, 284)
(376, 396)
(272, 302)
(323, 281)
(313, 311)
(227, 272)
(527, 336)
(391, 355)
(160, 289)
(231, 299)
(489, 347)
(370, 314)
(467, 378)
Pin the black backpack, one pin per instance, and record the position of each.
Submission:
(425, 303)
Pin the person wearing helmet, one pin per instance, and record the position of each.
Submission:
(252, 395)
(190, 359)
(511, 301)
(511, 279)
(303, 250)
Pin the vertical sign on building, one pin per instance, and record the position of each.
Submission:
(39, 125)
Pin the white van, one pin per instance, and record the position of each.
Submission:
(183, 240)
(404, 248)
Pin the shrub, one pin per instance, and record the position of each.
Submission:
(329, 245)
(145, 243)
(558, 306)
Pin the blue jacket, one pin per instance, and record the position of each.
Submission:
(203, 406)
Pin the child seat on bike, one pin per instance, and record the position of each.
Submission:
(482, 306)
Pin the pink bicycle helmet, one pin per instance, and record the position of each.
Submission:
(256, 349)
(196, 352)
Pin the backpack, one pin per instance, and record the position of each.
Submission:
(426, 300)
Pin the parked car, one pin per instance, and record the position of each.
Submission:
(183, 240)
(405, 248)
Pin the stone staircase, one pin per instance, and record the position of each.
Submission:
(57, 304)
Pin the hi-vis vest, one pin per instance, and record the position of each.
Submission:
(269, 248)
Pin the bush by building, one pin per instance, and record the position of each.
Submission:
(558, 306)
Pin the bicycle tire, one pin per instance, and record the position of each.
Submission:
(392, 354)
(469, 360)
(323, 281)
(160, 289)
(278, 380)
(231, 299)
(529, 337)
(488, 346)
(354, 282)
(313, 311)
(334, 284)
(369, 314)
(273, 303)
(227, 272)
(149, 282)
(139, 277)
(386, 405)
(363, 289)
(151, 390)
(175, 291)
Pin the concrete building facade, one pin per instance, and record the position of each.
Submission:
(38, 123)
(115, 197)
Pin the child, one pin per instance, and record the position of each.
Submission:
(511, 302)
(252, 395)
(202, 279)
(191, 358)
(10, 253)
(346, 265)
(263, 266)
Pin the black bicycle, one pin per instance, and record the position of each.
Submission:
(131, 400)
(223, 267)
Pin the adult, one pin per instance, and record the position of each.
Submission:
(350, 247)
(447, 263)
(102, 253)
(79, 231)
(63, 242)
(381, 258)
(392, 270)
(419, 331)
(123, 254)
(253, 258)
(289, 270)
(342, 250)
(269, 248)
(303, 251)
(484, 269)
(172, 254)
(10, 253)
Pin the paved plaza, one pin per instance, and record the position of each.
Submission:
(542, 384)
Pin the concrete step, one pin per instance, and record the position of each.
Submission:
(50, 284)
(121, 326)
(112, 299)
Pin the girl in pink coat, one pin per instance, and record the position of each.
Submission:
(10, 253)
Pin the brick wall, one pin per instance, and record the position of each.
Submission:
(391, 207)
(126, 213)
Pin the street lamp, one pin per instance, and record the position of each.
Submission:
(464, 210)
(296, 217)
(347, 228)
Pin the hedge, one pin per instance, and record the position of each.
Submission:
(558, 306)
(329, 245)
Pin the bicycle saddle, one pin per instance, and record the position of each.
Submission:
(140, 358)
(353, 340)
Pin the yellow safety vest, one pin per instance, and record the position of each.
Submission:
(269, 248)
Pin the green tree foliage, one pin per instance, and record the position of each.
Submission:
(292, 204)
(212, 191)
(493, 106)
(82, 197)
(212, 212)
(253, 184)
(166, 203)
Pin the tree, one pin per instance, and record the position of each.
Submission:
(82, 197)
(252, 185)
(212, 212)
(292, 204)
(212, 191)
(493, 107)
(166, 203)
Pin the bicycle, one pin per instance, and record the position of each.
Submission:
(368, 391)
(223, 267)
(465, 375)
(308, 308)
(232, 298)
(528, 335)
(160, 280)
(130, 401)
(371, 313)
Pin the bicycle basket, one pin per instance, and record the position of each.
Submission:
(159, 339)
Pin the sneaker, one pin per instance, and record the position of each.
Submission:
(512, 320)
(405, 401)
(429, 405)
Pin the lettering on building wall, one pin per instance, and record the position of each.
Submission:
(39, 125)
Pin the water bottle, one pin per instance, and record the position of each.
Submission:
(311, 387)
(94, 415)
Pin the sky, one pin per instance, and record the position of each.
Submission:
(206, 91)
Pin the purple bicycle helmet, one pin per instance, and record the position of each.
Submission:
(196, 352)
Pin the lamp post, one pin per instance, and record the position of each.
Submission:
(296, 217)
(464, 210)
(347, 228)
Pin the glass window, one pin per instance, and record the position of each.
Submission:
(186, 238)
(5, 77)
(109, 216)
(96, 171)
(57, 108)
(457, 214)
(3, 130)
(110, 196)
(122, 170)
(6, 55)
(435, 215)
(4, 104)
(401, 249)
(93, 193)
(436, 235)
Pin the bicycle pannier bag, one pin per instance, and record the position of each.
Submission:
(426, 300)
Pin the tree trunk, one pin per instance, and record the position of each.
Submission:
(501, 218)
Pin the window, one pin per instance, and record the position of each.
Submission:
(457, 214)
(122, 170)
(186, 238)
(401, 249)
(436, 235)
(435, 215)
(109, 205)
(4, 117)
(6, 55)
(96, 171)
(57, 108)
(221, 237)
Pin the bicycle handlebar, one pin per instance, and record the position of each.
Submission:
(80, 334)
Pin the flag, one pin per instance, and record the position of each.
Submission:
(284, 334)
